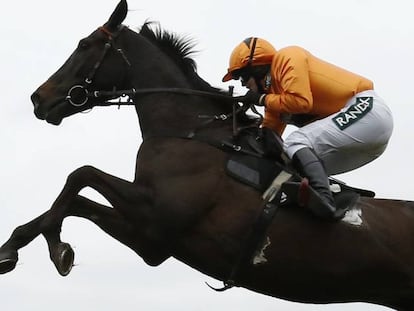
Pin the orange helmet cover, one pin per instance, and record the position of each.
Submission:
(242, 55)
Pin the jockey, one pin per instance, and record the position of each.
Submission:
(343, 123)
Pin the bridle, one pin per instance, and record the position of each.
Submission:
(84, 94)
(83, 89)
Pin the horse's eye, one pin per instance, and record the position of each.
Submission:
(83, 45)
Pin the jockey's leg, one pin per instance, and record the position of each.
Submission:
(309, 166)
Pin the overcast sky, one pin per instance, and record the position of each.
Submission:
(371, 37)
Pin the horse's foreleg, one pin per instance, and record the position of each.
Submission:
(69, 203)
(49, 223)
(110, 221)
(127, 201)
(107, 218)
(24, 234)
(61, 254)
(119, 227)
(20, 237)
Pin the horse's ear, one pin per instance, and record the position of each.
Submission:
(118, 15)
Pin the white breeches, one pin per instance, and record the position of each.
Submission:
(348, 139)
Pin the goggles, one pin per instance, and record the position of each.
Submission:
(241, 75)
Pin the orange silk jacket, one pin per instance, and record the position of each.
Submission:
(304, 84)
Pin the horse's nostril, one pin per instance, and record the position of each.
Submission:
(35, 98)
(36, 107)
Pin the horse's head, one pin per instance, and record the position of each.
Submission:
(115, 59)
(96, 64)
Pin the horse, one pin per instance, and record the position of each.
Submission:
(183, 204)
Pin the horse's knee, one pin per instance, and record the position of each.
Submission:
(80, 175)
(18, 232)
(82, 171)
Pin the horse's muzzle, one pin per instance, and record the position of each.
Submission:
(39, 113)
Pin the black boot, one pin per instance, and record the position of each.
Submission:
(309, 166)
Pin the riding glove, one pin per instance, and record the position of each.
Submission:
(254, 98)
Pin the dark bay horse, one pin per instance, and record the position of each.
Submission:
(182, 203)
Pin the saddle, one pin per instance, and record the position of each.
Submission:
(259, 159)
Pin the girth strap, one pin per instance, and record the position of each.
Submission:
(268, 211)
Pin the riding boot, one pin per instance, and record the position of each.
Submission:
(309, 166)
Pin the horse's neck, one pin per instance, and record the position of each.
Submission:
(177, 115)
(168, 112)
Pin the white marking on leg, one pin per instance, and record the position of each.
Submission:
(260, 258)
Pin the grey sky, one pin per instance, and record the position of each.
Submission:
(372, 38)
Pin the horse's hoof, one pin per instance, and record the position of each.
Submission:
(8, 261)
(63, 258)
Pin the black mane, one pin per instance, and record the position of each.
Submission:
(179, 49)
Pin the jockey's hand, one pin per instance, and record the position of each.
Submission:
(254, 98)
